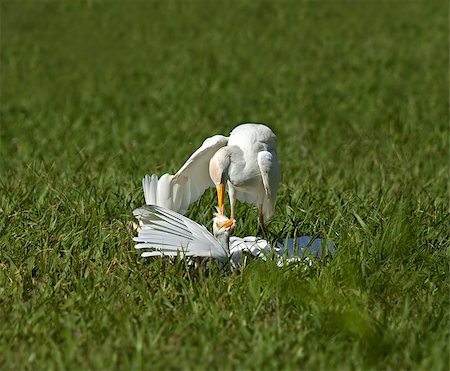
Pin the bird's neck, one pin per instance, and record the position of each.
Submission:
(224, 240)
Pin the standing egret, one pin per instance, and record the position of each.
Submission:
(244, 164)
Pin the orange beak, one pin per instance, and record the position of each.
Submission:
(226, 224)
(220, 191)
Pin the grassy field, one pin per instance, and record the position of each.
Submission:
(95, 94)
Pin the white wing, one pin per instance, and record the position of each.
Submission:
(165, 232)
(250, 244)
(193, 176)
(270, 174)
(177, 192)
(163, 192)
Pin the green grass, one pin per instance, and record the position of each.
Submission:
(95, 94)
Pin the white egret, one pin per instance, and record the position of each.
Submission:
(244, 164)
(163, 232)
(166, 232)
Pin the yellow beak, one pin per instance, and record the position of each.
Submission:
(225, 224)
(220, 191)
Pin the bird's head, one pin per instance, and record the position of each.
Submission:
(218, 171)
(222, 226)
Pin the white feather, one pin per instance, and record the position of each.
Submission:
(150, 184)
(177, 192)
(252, 176)
(165, 232)
(170, 233)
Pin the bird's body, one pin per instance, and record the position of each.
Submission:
(254, 171)
(163, 232)
(245, 164)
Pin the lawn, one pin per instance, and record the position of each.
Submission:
(95, 94)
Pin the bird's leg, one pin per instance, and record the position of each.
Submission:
(261, 223)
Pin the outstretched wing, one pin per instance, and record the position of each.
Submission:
(194, 174)
(162, 192)
(177, 192)
(165, 232)
(270, 174)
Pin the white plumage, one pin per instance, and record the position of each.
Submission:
(245, 164)
(163, 232)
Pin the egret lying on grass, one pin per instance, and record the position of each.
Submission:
(244, 164)
(164, 232)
